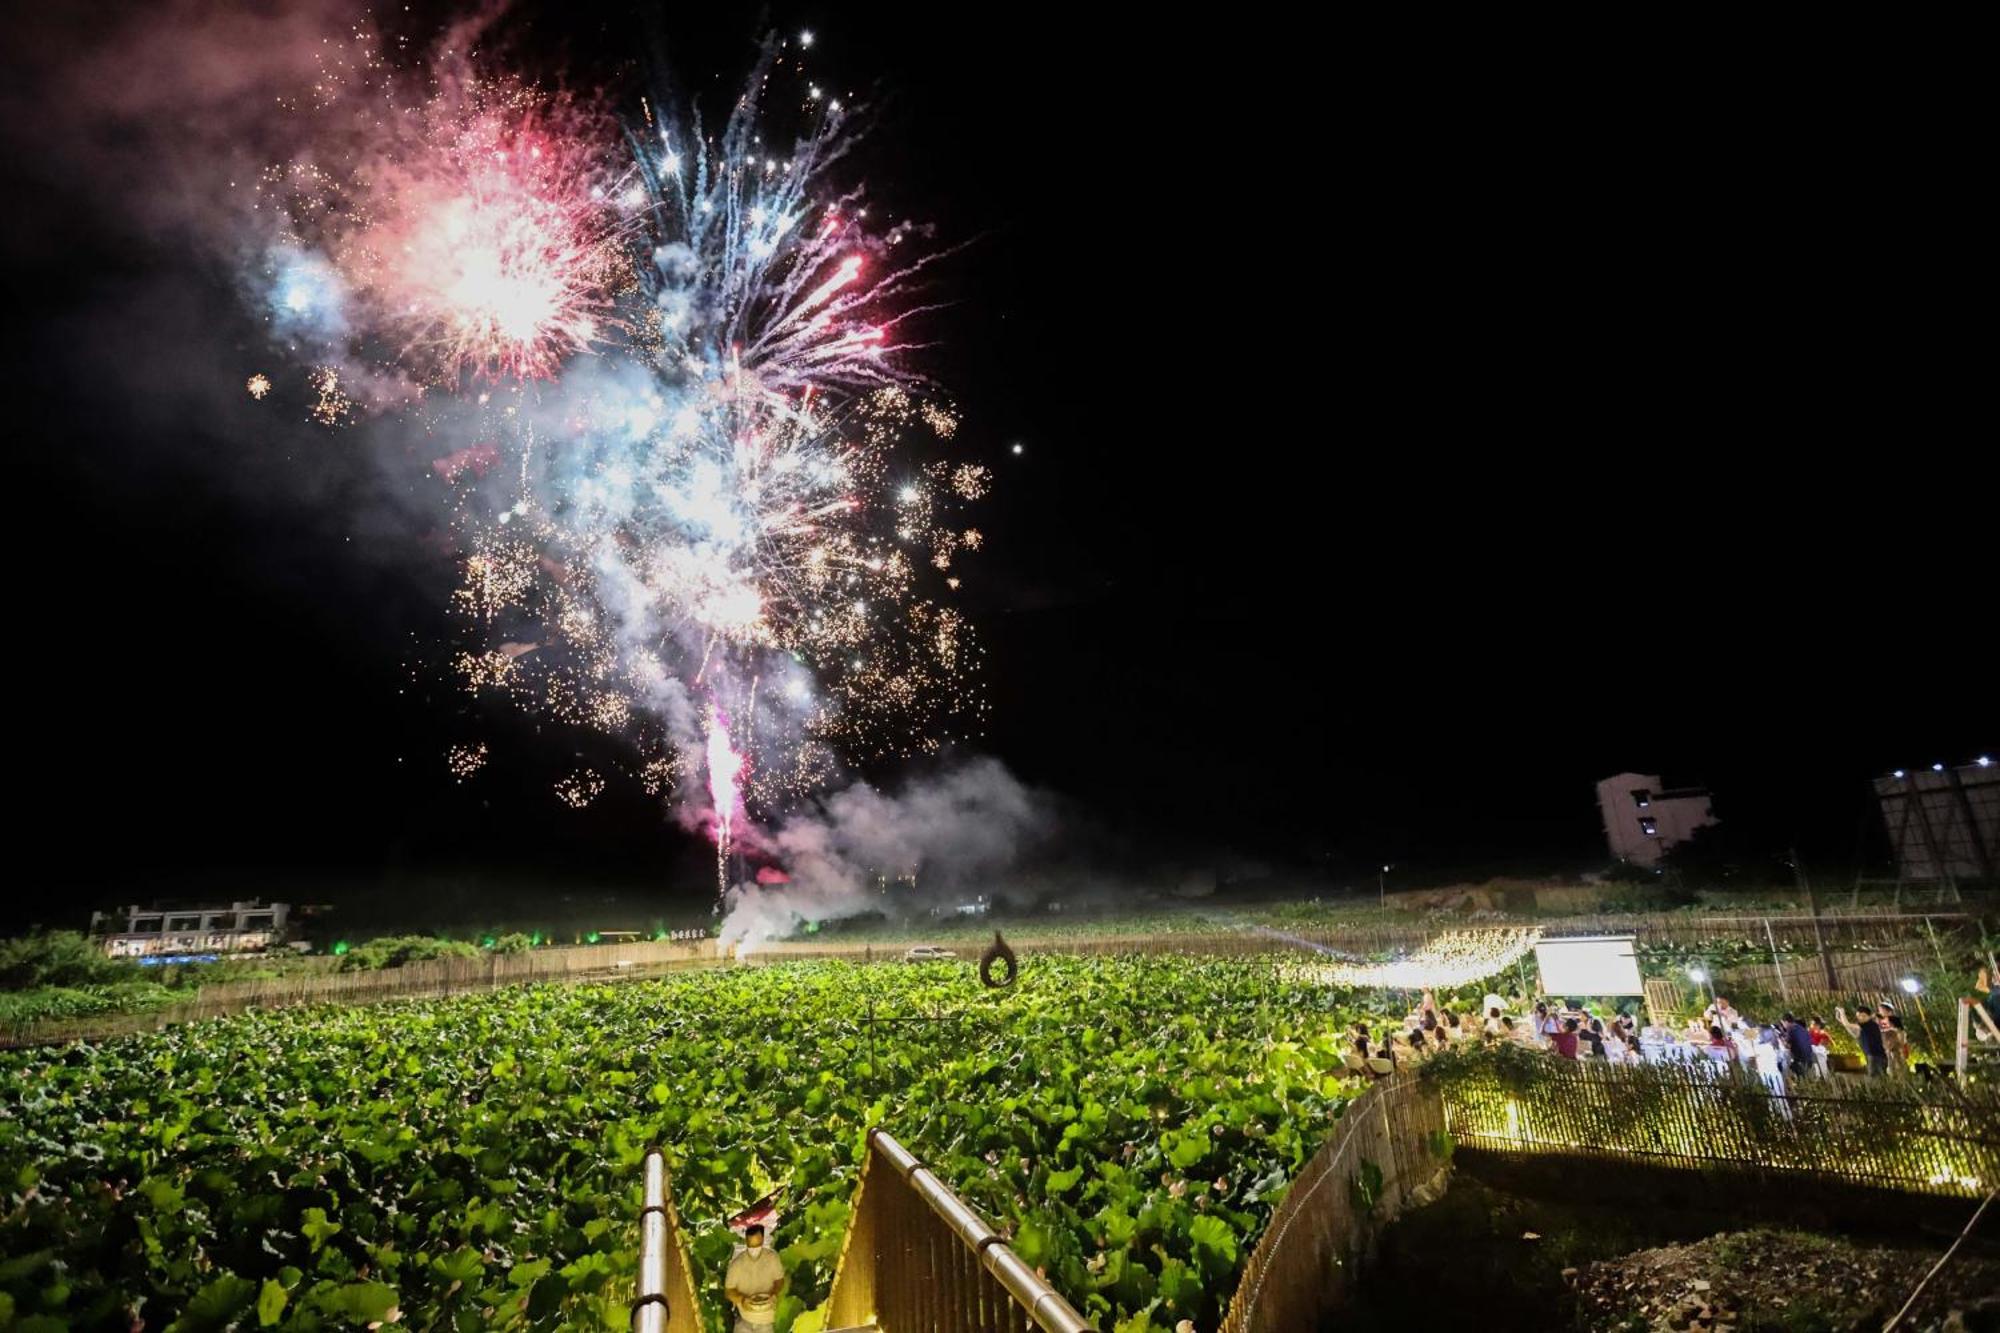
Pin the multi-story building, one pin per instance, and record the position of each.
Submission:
(146, 932)
(1642, 818)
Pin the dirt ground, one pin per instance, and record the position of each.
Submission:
(1487, 1259)
(1753, 1280)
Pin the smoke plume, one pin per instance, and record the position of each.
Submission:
(956, 832)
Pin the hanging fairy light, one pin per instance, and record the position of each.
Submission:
(1456, 958)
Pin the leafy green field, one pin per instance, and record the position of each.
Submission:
(472, 1163)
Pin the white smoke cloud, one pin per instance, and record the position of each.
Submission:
(955, 831)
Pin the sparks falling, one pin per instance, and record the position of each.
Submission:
(703, 502)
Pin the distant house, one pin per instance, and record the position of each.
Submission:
(1642, 818)
(148, 932)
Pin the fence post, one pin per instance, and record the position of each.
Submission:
(1812, 903)
(1784, 991)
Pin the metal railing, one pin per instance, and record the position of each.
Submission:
(666, 1301)
(919, 1259)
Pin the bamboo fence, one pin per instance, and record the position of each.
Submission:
(1922, 1137)
(600, 962)
(1842, 930)
(430, 979)
(1385, 1155)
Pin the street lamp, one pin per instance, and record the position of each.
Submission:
(1915, 990)
(1382, 884)
(1698, 976)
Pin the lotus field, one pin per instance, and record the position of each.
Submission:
(473, 1163)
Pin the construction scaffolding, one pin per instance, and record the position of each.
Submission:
(1943, 823)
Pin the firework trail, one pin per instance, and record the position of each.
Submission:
(703, 503)
(725, 771)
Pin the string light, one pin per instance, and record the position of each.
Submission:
(1456, 958)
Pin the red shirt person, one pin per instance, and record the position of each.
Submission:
(1564, 1040)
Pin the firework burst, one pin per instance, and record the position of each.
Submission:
(725, 536)
(474, 233)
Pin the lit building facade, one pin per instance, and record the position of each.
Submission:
(146, 932)
(1642, 818)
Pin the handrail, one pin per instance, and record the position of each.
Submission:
(896, 1273)
(665, 1300)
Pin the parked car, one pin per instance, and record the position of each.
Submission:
(926, 953)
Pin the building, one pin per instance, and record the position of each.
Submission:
(1944, 823)
(1642, 818)
(148, 932)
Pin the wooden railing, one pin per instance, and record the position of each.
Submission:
(666, 1301)
(1387, 1153)
(919, 1259)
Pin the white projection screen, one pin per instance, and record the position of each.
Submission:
(1589, 965)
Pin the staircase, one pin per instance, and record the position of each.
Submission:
(917, 1259)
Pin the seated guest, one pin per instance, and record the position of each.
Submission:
(1564, 1040)
(1616, 1046)
(1719, 1047)
(1766, 1058)
(1591, 1035)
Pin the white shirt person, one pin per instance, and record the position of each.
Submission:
(753, 1283)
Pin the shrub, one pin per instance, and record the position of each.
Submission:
(56, 1002)
(57, 958)
(396, 950)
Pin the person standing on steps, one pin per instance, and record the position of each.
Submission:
(753, 1283)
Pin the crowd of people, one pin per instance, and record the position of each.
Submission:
(1792, 1047)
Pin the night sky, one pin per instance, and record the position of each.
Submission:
(1410, 438)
